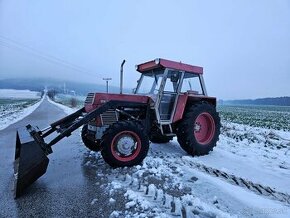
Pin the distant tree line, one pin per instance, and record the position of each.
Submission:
(279, 101)
(52, 93)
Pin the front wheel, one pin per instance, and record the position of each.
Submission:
(199, 131)
(90, 143)
(124, 144)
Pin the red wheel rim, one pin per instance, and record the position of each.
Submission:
(204, 128)
(123, 142)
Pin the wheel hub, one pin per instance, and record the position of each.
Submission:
(197, 127)
(204, 128)
(126, 145)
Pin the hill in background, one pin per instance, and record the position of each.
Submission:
(279, 101)
(84, 88)
(58, 85)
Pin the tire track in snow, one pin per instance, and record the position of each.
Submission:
(163, 203)
(145, 190)
(244, 183)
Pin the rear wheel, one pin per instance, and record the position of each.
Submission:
(124, 144)
(88, 142)
(199, 131)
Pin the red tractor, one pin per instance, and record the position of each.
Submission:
(170, 100)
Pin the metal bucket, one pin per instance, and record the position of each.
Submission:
(30, 162)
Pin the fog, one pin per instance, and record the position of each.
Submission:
(243, 45)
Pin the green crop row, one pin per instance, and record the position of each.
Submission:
(270, 117)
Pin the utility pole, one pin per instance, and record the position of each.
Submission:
(107, 83)
(64, 88)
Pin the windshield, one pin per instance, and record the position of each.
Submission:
(191, 82)
(150, 82)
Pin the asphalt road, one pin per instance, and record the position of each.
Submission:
(67, 188)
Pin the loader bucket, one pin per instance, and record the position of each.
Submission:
(30, 162)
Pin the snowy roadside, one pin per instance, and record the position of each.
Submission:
(20, 94)
(66, 109)
(18, 115)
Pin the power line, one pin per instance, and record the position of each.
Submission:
(42, 55)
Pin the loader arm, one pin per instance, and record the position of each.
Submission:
(31, 149)
(70, 123)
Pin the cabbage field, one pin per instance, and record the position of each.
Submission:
(270, 117)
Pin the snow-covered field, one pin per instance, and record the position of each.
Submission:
(18, 94)
(16, 104)
(72, 101)
(65, 109)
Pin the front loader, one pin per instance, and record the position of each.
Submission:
(170, 100)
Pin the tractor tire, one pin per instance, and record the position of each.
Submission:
(94, 146)
(124, 144)
(199, 131)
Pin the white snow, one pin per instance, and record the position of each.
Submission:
(19, 94)
(94, 201)
(6, 121)
(166, 178)
(249, 158)
(114, 214)
(66, 109)
(251, 202)
(112, 200)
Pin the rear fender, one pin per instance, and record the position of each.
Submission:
(186, 100)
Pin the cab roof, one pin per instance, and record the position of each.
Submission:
(157, 63)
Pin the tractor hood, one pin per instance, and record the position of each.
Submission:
(94, 100)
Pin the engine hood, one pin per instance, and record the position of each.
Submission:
(94, 100)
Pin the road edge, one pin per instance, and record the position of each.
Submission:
(65, 109)
(26, 111)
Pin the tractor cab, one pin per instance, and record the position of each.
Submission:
(165, 82)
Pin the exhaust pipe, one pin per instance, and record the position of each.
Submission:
(121, 77)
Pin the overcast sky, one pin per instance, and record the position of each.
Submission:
(243, 45)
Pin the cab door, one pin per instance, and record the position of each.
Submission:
(168, 94)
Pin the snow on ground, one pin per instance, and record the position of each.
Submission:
(14, 114)
(165, 185)
(66, 109)
(20, 94)
(257, 154)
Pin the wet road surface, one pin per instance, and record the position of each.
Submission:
(67, 188)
